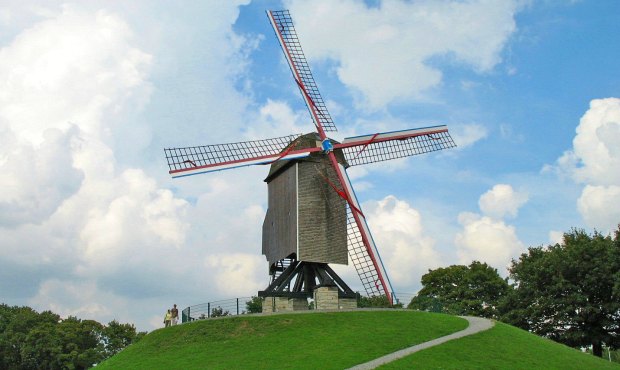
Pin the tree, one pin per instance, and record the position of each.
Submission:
(376, 301)
(474, 290)
(80, 343)
(31, 340)
(569, 292)
(117, 336)
(254, 305)
(18, 328)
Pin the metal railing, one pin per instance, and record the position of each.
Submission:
(226, 307)
(239, 306)
(404, 298)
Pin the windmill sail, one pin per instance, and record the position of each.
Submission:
(363, 251)
(283, 26)
(397, 144)
(207, 158)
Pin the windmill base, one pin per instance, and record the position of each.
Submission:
(284, 304)
(302, 280)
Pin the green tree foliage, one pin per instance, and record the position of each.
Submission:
(219, 311)
(474, 290)
(15, 326)
(117, 336)
(376, 301)
(569, 292)
(254, 305)
(31, 340)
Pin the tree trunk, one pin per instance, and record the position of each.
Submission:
(597, 349)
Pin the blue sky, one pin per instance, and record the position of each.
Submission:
(92, 225)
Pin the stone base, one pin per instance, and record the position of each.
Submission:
(298, 304)
(347, 303)
(326, 298)
(283, 304)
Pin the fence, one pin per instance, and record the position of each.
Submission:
(226, 307)
(404, 298)
(238, 306)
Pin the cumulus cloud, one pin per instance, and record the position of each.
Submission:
(237, 274)
(277, 118)
(594, 161)
(407, 252)
(501, 201)
(57, 79)
(486, 239)
(595, 146)
(72, 212)
(68, 58)
(137, 216)
(37, 178)
(600, 206)
(391, 45)
(81, 299)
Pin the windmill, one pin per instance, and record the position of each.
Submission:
(313, 216)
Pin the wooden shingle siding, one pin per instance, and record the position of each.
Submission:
(322, 215)
(280, 225)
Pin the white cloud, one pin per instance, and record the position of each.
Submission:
(596, 144)
(36, 178)
(466, 135)
(407, 252)
(86, 300)
(57, 79)
(137, 216)
(556, 237)
(237, 274)
(79, 219)
(600, 206)
(487, 240)
(276, 118)
(501, 201)
(84, 61)
(594, 161)
(390, 45)
(81, 299)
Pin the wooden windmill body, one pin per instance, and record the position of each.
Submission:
(313, 218)
(306, 219)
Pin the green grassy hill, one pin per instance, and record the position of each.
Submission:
(338, 340)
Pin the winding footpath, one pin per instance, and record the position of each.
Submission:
(476, 325)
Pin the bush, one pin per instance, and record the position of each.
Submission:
(218, 312)
(254, 305)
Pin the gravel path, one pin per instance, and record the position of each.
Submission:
(476, 325)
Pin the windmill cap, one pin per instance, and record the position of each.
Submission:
(310, 140)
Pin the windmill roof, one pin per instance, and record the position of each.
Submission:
(310, 140)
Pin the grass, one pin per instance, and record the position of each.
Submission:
(318, 340)
(502, 347)
(338, 340)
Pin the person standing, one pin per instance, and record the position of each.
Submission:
(174, 315)
(167, 318)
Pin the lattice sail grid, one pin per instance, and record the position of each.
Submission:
(300, 67)
(362, 262)
(197, 156)
(392, 149)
